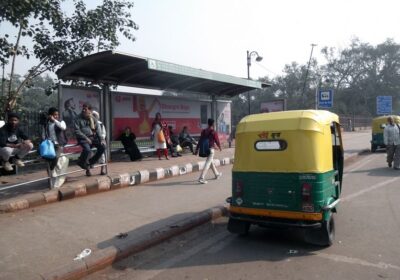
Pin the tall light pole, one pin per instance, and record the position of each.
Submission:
(258, 58)
(308, 68)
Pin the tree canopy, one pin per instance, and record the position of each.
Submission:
(357, 74)
(59, 37)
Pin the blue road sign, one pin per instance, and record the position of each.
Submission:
(325, 98)
(383, 105)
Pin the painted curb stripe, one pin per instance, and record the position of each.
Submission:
(144, 176)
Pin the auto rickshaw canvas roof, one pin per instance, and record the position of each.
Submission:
(112, 67)
(383, 119)
(311, 120)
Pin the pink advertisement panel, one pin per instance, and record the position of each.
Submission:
(138, 112)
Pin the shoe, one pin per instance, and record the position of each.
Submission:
(167, 158)
(202, 181)
(390, 164)
(7, 166)
(179, 155)
(88, 173)
(19, 163)
(218, 176)
(396, 168)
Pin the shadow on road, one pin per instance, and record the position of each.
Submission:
(271, 245)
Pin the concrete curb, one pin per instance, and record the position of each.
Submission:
(99, 259)
(106, 183)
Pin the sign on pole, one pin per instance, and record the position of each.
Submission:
(325, 98)
(383, 105)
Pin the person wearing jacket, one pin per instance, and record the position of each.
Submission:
(212, 136)
(13, 142)
(88, 131)
(54, 130)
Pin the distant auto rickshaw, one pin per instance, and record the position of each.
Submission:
(378, 125)
(287, 173)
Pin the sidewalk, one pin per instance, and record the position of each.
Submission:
(40, 243)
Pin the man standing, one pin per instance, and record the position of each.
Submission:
(391, 138)
(212, 136)
(87, 131)
(13, 142)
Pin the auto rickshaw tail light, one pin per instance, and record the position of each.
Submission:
(239, 189)
(306, 192)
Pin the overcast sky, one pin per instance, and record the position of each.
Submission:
(215, 34)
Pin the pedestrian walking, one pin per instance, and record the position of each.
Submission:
(391, 138)
(206, 148)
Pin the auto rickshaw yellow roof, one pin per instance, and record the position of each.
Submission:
(313, 120)
(383, 119)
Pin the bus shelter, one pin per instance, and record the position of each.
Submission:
(111, 68)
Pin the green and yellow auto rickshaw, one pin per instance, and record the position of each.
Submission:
(287, 173)
(378, 125)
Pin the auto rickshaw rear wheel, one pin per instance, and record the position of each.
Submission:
(238, 227)
(322, 236)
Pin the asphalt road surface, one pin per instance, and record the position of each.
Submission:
(367, 244)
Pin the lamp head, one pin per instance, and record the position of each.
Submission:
(259, 58)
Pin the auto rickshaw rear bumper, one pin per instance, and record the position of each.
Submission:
(276, 218)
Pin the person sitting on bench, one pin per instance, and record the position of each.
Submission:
(87, 131)
(128, 141)
(186, 139)
(13, 142)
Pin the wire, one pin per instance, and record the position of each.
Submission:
(265, 68)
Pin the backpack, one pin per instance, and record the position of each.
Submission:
(204, 144)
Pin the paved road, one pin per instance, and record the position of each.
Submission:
(367, 242)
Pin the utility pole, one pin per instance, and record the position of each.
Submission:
(3, 82)
(308, 68)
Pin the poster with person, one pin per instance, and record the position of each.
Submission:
(137, 111)
(72, 100)
(224, 120)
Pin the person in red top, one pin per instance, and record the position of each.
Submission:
(212, 136)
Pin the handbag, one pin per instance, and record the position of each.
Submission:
(179, 148)
(47, 150)
(161, 137)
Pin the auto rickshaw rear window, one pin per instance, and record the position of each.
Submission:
(270, 145)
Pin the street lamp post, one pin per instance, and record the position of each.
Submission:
(258, 58)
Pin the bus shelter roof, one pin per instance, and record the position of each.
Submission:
(123, 69)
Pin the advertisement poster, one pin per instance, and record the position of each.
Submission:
(273, 106)
(72, 101)
(224, 120)
(138, 113)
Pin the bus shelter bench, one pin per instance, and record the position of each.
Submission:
(145, 146)
(34, 159)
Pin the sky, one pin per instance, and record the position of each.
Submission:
(214, 35)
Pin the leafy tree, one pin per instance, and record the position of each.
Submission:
(58, 38)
